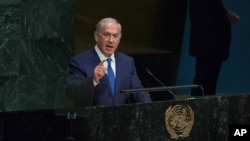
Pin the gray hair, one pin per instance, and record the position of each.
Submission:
(100, 23)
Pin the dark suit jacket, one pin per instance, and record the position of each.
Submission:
(82, 90)
(210, 32)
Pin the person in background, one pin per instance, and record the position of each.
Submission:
(89, 82)
(210, 37)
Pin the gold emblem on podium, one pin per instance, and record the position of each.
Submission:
(179, 121)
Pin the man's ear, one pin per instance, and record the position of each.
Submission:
(96, 35)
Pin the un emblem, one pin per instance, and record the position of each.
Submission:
(179, 121)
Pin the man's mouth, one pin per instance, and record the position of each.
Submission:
(109, 46)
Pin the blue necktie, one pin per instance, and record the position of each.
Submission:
(111, 75)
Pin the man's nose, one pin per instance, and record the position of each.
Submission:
(111, 38)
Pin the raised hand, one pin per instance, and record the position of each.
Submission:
(233, 17)
(99, 71)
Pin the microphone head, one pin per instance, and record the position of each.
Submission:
(148, 71)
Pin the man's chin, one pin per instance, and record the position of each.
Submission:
(108, 53)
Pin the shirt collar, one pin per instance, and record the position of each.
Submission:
(101, 56)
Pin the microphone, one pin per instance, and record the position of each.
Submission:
(171, 92)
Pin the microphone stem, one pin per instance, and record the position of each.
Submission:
(171, 92)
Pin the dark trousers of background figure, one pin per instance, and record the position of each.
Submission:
(206, 74)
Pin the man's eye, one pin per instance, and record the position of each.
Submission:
(106, 34)
(116, 36)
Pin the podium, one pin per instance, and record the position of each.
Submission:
(205, 118)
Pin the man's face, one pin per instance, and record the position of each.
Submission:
(108, 38)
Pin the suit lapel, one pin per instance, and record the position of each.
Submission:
(118, 73)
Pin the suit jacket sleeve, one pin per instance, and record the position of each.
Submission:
(79, 88)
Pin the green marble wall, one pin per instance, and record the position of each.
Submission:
(36, 41)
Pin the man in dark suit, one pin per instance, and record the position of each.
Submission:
(209, 41)
(88, 81)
